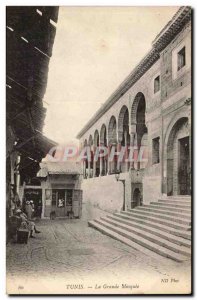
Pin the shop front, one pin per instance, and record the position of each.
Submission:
(61, 190)
(63, 203)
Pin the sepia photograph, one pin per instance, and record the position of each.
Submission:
(98, 150)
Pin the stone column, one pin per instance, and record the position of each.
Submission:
(101, 163)
(105, 166)
(101, 166)
(94, 168)
(126, 164)
(94, 162)
(84, 169)
(132, 138)
(108, 162)
(89, 171)
(117, 164)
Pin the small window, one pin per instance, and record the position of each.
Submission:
(181, 58)
(155, 150)
(156, 84)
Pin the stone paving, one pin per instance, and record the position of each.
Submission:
(70, 257)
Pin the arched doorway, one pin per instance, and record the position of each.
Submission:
(138, 124)
(85, 162)
(103, 142)
(137, 199)
(123, 135)
(178, 159)
(97, 162)
(90, 167)
(112, 140)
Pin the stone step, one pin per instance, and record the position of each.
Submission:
(163, 215)
(170, 213)
(188, 203)
(178, 198)
(124, 240)
(149, 236)
(158, 232)
(157, 220)
(171, 208)
(119, 234)
(173, 205)
(181, 233)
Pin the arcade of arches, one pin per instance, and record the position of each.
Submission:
(127, 130)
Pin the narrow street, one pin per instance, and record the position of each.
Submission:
(70, 257)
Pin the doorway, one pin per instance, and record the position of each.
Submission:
(183, 171)
(58, 202)
(178, 159)
(34, 195)
(137, 199)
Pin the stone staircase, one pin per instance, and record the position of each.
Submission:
(162, 227)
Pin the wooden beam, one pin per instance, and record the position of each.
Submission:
(17, 147)
(31, 123)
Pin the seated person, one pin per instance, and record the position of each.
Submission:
(25, 223)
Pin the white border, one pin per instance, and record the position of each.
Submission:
(2, 98)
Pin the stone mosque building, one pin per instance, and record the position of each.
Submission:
(151, 109)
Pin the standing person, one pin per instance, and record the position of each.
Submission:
(28, 210)
(33, 208)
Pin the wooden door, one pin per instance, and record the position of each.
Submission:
(58, 202)
(183, 173)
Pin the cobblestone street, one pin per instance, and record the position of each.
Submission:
(68, 253)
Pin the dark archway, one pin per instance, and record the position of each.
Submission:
(137, 198)
(178, 159)
(112, 143)
(85, 162)
(124, 136)
(90, 145)
(97, 162)
(138, 122)
(103, 142)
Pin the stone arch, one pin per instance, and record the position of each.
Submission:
(85, 161)
(138, 98)
(138, 125)
(85, 143)
(96, 138)
(123, 123)
(112, 143)
(103, 135)
(90, 166)
(176, 117)
(97, 162)
(177, 158)
(112, 131)
(103, 142)
(90, 141)
(124, 137)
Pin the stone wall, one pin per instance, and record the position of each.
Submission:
(163, 109)
(105, 193)
(173, 80)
